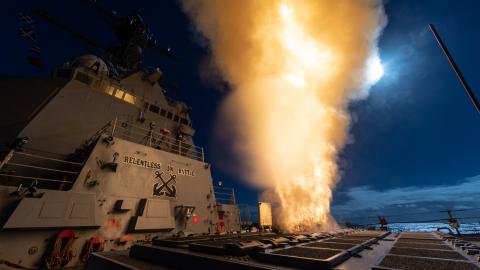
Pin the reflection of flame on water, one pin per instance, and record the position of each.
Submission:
(293, 66)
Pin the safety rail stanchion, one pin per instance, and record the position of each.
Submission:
(7, 158)
(114, 125)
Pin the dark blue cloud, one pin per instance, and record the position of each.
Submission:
(411, 203)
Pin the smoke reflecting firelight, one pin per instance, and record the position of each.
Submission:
(293, 66)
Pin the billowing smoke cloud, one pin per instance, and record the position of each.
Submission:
(293, 66)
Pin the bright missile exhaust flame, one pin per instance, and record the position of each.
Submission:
(374, 70)
(293, 66)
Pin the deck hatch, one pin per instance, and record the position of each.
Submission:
(397, 262)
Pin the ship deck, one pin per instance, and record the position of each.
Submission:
(357, 250)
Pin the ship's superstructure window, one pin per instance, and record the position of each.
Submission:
(122, 94)
(129, 98)
(119, 93)
(109, 90)
(97, 84)
(116, 91)
(154, 108)
(84, 78)
(165, 113)
(105, 86)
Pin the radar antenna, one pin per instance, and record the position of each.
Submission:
(125, 54)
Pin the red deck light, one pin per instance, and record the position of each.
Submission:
(195, 219)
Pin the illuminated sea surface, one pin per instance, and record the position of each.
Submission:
(465, 228)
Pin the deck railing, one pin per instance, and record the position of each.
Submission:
(224, 195)
(162, 141)
(29, 167)
(52, 171)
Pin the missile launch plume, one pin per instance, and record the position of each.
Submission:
(293, 66)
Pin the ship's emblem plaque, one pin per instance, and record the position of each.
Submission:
(164, 187)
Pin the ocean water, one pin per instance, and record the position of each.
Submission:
(465, 228)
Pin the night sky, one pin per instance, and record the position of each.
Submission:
(415, 140)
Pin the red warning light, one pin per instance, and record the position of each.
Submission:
(195, 219)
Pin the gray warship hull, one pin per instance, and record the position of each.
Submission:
(107, 164)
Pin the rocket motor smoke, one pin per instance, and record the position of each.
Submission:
(292, 66)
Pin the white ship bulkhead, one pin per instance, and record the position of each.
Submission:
(139, 181)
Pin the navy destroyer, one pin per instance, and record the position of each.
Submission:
(103, 159)
(101, 172)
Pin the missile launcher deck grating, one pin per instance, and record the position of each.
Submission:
(375, 251)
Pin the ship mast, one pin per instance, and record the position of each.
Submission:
(450, 59)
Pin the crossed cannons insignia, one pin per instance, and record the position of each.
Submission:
(164, 187)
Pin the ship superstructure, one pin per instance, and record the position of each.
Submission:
(104, 160)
